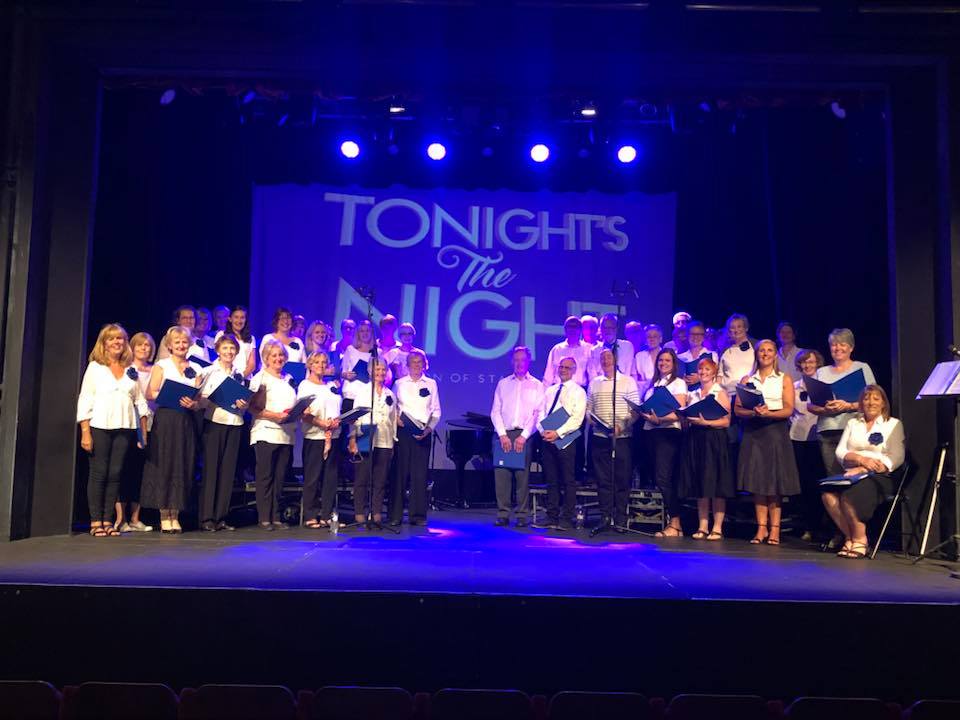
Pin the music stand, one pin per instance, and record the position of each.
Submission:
(944, 382)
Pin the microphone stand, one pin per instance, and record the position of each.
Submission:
(610, 523)
(368, 294)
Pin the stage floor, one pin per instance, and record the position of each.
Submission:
(462, 553)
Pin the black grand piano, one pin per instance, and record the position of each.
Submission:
(468, 437)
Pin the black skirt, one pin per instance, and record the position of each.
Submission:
(867, 495)
(168, 473)
(705, 464)
(766, 465)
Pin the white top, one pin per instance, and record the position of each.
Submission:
(645, 363)
(214, 377)
(419, 399)
(326, 406)
(889, 446)
(516, 404)
(625, 361)
(788, 362)
(803, 423)
(829, 374)
(735, 364)
(573, 399)
(677, 388)
(280, 397)
(109, 403)
(695, 396)
(384, 415)
(172, 372)
(351, 356)
(579, 352)
(771, 388)
(197, 349)
(144, 379)
(600, 401)
(295, 350)
(246, 350)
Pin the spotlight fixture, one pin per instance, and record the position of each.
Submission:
(539, 153)
(349, 149)
(397, 107)
(627, 154)
(436, 151)
(168, 96)
(588, 111)
(837, 109)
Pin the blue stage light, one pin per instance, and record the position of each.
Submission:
(349, 149)
(627, 154)
(436, 151)
(539, 153)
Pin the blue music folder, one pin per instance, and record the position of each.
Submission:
(296, 370)
(362, 369)
(749, 399)
(228, 393)
(567, 439)
(299, 408)
(601, 425)
(170, 393)
(691, 366)
(556, 419)
(364, 437)
(842, 481)
(410, 425)
(353, 414)
(849, 387)
(508, 460)
(708, 408)
(200, 361)
(661, 402)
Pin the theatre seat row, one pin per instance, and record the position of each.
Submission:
(21, 700)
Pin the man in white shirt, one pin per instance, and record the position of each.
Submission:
(419, 402)
(560, 464)
(609, 324)
(680, 320)
(516, 403)
(572, 347)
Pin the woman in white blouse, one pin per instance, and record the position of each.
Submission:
(370, 476)
(282, 325)
(806, 445)
(321, 442)
(221, 439)
(168, 474)
(246, 361)
(873, 442)
(738, 358)
(348, 332)
(271, 435)
(766, 467)
(696, 350)
(316, 339)
(360, 350)
(110, 410)
(144, 350)
(664, 438)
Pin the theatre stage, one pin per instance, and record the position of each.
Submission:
(463, 603)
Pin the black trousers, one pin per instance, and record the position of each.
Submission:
(560, 470)
(413, 459)
(363, 481)
(664, 447)
(321, 474)
(810, 466)
(612, 493)
(108, 462)
(221, 446)
(272, 461)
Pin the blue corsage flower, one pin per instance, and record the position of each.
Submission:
(424, 392)
(295, 345)
(190, 373)
(389, 401)
(132, 373)
(804, 396)
(745, 346)
(875, 438)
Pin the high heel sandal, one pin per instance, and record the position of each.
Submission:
(757, 540)
(770, 540)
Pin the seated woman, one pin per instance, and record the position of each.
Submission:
(872, 441)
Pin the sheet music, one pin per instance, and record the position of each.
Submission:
(943, 381)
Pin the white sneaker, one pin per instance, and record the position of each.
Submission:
(138, 526)
(124, 528)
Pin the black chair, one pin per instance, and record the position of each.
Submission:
(238, 702)
(599, 706)
(831, 708)
(894, 500)
(454, 704)
(717, 707)
(118, 701)
(933, 710)
(362, 703)
(28, 700)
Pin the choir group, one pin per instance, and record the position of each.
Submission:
(738, 419)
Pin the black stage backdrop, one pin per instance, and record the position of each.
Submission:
(781, 213)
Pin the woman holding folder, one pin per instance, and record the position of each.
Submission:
(271, 434)
(664, 437)
(690, 359)
(766, 467)
(221, 437)
(110, 410)
(370, 476)
(321, 442)
(357, 354)
(282, 326)
(168, 473)
(705, 472)
(834, 415)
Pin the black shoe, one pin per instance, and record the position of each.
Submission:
(222, 525)
(374, 525)
(394, 523)
(522, 522)
(502, 522)
(566, 525)
(208, 526)
(267, 527)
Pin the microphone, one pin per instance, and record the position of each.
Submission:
(954, 350)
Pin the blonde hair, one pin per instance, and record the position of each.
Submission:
(271, 343)
(173, 331)
(756, 357)
(107, 332)
(314, 356)
(145, 337)
(308, 336)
